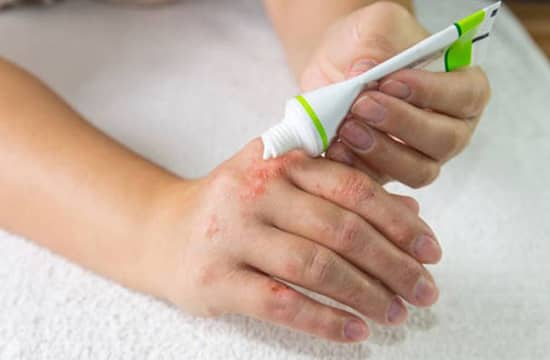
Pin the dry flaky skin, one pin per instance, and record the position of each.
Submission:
(218, 244)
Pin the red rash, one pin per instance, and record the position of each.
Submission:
(354, 188)
(278, 288)
(258, 175)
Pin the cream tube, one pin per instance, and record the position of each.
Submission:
(312, 119)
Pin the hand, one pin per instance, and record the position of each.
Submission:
(409, 124)
(226, 243)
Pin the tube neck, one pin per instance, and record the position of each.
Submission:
(280, 139)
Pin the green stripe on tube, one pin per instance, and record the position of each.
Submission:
(313, 116)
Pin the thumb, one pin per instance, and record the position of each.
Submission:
(369, 35)
(359, 67)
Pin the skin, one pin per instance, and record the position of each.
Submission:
(224, 243)
(408, 125)
(202, 244)
(344, 237)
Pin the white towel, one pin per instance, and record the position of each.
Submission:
(149, 77)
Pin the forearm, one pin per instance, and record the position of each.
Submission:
(69, 187)
(300, 24)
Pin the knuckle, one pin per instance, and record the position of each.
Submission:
(401, 234)
(356, 297)
(320, 266)
(356, 294)
(361, 298)
(357, 188)
(294, 160)
(223, 180)
(408, 274)
(207, 276)
(293, 267)
(426, 174)
(456, 140)
(373, 253)
(390, 10)
(479, 96)
(347, 239)
(284, 307)
(485, 87)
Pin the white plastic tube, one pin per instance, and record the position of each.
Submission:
(311, 120)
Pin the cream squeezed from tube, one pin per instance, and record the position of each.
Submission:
(312, 119)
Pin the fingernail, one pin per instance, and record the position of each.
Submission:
(373, 85)
(397, 311)
(369, 109)
(427, 249)
(396, 88)
(341, 154)
(356, 135)
(425, 291)
(355, 330)
(360, 67)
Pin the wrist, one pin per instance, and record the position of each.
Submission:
(167, 228)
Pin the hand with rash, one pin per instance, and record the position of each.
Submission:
(228, 241)
(238, 240)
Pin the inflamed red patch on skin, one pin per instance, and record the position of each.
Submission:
(259, 174)
(277, 288)
(281, 292)
(354, 189)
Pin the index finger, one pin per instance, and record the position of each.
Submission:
(462, 94)
(355, 191)
(265, 298)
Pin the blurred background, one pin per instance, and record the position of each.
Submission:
(535, 16)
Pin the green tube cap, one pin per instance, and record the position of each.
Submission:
(460, 53)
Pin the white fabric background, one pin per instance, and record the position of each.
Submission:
(186, 86)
